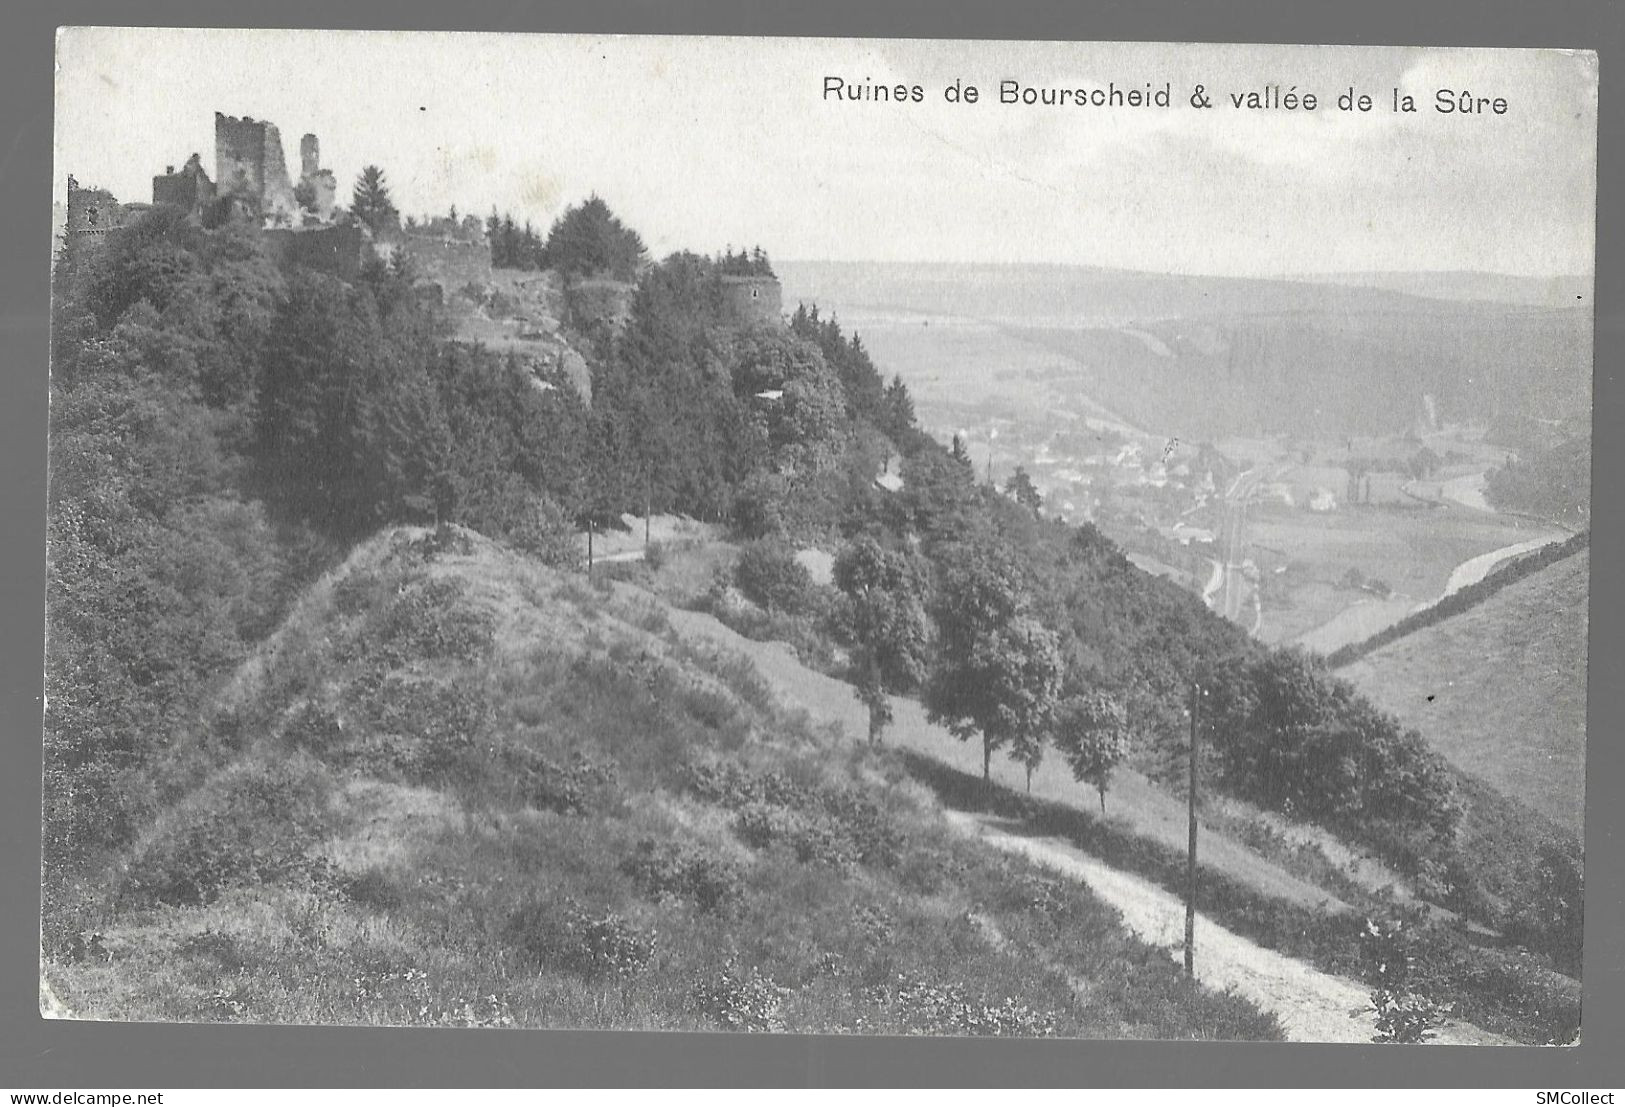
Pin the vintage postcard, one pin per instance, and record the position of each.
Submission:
(819, 536)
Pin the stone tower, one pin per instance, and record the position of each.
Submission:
(249, 166)
(752, 300)
(92, 212)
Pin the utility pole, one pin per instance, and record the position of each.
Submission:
(1190, 869)
(589, 547)
(648, 500)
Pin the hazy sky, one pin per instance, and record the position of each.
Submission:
(702, 143)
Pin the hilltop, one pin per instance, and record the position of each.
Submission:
(456, 787)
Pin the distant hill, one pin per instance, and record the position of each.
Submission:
(1503, 288)
(1553, 483)
(1500, 689)
(1215, 356)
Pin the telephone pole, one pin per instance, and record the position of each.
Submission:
(1190, 868)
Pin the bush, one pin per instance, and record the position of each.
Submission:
(545, 533)
(768, 573)
(874, 923)
(360, 592)
(665, 869)
(565, 935)
(253, 827)
(736, 1000)
(313, 727)
(918, 1006)
(826, 825)
(545, 784)
(430, 730)
(1405, 1014)
(432, 620)
(1554, 918)
(373, 888)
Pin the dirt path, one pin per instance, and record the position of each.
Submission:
(1312, 1006)
(1145, 809)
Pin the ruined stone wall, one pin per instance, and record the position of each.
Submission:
(190, 189)
(752, 300)
(338, 248)
(598, 299)
(92, 213)
(450, 262)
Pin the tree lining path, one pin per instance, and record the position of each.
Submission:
(1311, 1005)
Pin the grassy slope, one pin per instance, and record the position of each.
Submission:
(1500, 689)
(1139, 807)
(1284, 885)
(427, 802)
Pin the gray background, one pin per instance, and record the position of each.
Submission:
(40, 1055)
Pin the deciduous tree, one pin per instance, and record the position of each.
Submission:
(884, 591)
(998, 669)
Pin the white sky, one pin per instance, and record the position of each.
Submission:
(702, 143)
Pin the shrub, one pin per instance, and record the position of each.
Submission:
(768, 573)
(874, 923)
(359, 592)
(665, 869)
(543, 783)
(430, 730)
(1554, 917)
(726, 784)
(545, 533)
(759, 825)
(827, 825)
(442, 540)
(736, 1000)
(372, 888)
(565, 935)
(251, 828)
(927, 870)
(918, 1006)
(432, 620)
(1405, 1014)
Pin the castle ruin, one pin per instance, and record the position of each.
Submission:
(250, 169)
(752, 300)
(317, 191)
(190, 189)
(92, 212)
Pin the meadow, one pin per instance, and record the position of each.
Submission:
(1410, 550)
(1525, 735)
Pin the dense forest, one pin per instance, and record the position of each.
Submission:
(223, 428)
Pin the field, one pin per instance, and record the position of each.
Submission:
(1412, 551)
(1500, 689)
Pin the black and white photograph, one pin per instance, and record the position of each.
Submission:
(1037, 539)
